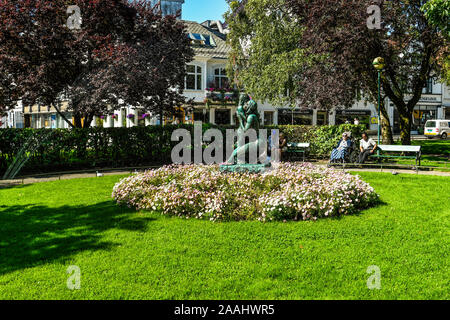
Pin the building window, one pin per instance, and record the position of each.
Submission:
(322, 118)
(223, 116)
(295, 117)
(447, 113)
(193, 78)
(268, 118)
(349, 117)
(429, 87)
(201, 40)
(220, 78)
(201, 115)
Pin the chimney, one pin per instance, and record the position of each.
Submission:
(169, 7)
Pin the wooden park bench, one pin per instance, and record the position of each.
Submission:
(294, 149)
(399, 152)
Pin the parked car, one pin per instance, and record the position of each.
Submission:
(437, 128)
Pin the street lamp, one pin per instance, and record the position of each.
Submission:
(378, 64)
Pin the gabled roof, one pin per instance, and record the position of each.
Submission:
(219, 48)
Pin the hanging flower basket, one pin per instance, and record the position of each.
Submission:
(130, 116)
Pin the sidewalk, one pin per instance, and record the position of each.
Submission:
(31, 180)
(399, 171)
(396, 137)
(15, 182)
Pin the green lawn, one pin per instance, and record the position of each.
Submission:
(46, 227)
(435, 153)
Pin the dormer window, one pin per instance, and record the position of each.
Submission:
(201, 39)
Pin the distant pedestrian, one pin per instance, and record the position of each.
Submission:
(356, 122)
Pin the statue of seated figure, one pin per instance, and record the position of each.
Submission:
(248, 119)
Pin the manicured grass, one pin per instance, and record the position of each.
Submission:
(46, 227)
(435, 153)
(434, 146)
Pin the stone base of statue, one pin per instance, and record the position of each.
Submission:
(246, 168)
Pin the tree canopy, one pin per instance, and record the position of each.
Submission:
(438, 14)
(96, 68)
(265, 52)
(337, 46)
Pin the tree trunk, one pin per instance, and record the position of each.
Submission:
(405, 128)
(87, 121)
(77, 120)
(386, 130)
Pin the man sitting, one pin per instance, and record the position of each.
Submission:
(367, 147)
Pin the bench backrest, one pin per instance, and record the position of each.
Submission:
(400, 148)
(298, 145)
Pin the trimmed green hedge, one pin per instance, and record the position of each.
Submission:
(322, 138)
(126, 147)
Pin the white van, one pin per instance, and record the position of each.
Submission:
(437, 128)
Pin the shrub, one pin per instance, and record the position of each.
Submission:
(74, 149)
(322, 138)
(291, 192)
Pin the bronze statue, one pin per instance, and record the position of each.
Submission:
(248, 116)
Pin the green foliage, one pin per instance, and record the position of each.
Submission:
(438, 14)
(89, 148)
(322, 138)
(265, 65)
(137, 146)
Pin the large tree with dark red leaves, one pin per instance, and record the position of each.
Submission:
(94, 67)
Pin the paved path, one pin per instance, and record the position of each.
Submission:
(400, 171)
(31, 180)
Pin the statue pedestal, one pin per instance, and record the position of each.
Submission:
(246, 167)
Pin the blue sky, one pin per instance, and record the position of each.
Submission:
(201, 10)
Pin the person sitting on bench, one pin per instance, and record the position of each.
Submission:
(367, 147)
(339, 152)
(282, 146)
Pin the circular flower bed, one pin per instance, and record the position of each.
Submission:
(292, 192)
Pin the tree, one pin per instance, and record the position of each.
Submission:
(438, 14)
(407, 42)
(44, 56)
(8, 93)
(146, 70)
(52, 63)
(155, 64)
(272, 62)
(341, 47)
(265, 55)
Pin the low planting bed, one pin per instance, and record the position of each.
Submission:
(298, 191)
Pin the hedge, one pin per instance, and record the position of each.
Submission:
(73, 149)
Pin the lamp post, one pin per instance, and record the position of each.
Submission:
(378, 64)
